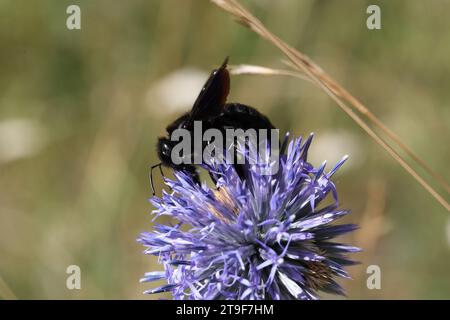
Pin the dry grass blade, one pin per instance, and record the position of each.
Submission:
(306, 66)
(248, 69)
(5, 291)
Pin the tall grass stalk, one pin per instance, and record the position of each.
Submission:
(5, 291)
(306, 66)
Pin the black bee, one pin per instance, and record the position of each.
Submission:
(211, 108)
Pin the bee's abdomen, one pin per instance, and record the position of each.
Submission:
(238, 115)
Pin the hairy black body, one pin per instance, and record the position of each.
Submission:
(212, 110)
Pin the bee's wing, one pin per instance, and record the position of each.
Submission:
(212, 98)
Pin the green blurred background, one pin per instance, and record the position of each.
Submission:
(80, 112)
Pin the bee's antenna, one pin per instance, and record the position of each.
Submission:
(151, 176)
(225, 63)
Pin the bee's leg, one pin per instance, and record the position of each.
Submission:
(196, 177)
(192, 171)
(160, 170)
(284, 144)
(164, 176)
(213, 177)
(151, 176)
(240, 170)
(159, 165)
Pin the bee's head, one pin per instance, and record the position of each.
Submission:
(164, 148)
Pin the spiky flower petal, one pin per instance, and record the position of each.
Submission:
(262, 237)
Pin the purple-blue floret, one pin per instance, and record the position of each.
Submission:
(262, 237)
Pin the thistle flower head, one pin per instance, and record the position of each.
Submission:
(262, 237)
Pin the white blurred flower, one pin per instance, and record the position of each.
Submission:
(332, 145)
(20, 138)
(175, 92)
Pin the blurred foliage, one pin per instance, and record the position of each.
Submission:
(75, 189)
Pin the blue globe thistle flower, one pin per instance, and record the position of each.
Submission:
(268, 237)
